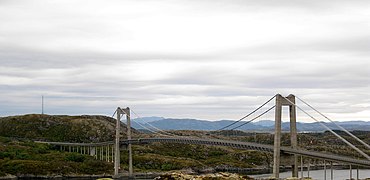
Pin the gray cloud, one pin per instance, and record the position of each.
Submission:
(198, 59)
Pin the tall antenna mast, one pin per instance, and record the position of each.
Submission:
(42, 104)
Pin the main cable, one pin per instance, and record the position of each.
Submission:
(114, 113)
(160, 130)
(248, 114)
(254, 118)
(349, 133)
(326, 127)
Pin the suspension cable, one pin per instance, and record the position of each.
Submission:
(247, 114)
(142, 125)
(254, 118)
(326, 127)
(154, 132)
(349, 133)
(160, 130)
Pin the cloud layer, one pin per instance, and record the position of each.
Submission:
(198, 59)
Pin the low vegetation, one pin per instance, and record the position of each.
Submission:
(23, 157)
(19, 155)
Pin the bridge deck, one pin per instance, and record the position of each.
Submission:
(233, 144)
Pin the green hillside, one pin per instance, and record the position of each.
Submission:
(60, 128)
(19, 155)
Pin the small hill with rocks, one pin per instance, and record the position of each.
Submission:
(61, 128)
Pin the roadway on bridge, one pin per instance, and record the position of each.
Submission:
(228, 143)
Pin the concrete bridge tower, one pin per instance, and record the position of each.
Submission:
(280, 102)
(120, 112)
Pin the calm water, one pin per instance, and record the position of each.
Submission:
(319, 174)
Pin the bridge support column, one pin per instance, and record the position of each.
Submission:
(107, 153)
(302, 167)
(278, 109)
(117, 153)
(331, 170)
(324, 170)
(112, 153)
(293, 134)
(128, 117)
(308, 167)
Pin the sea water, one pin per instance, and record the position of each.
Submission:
(319, 174)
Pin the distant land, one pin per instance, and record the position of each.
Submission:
(263, 125)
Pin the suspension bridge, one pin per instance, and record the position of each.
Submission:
(110, 151)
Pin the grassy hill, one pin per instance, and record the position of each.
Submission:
(19, 155)
(60, 128)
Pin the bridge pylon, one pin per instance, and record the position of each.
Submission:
(120, 112)
(280, 102)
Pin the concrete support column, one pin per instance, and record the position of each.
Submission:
(93, 151)
(302, 167)
(308, 167)
(130, 166)
(117, 153)
(324, 170)
(350, 171)
(102, 153)
(331, 170)
(113, 153)
(293, 134)
(278, 109)
(107, 153)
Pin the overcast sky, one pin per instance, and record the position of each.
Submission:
(205, 59)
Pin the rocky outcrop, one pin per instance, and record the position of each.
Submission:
(214, 176)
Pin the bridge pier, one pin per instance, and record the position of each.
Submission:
(331, 170)
(278, 108)
(308, 167)
(117, 152)
(324, 170)
(92, 151)
(128, 117)
(112, 153)
(301, 166)
(279, 102)
(120, 112)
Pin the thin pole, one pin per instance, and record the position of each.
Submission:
(324, 170)
(308, 168)
(358, 173)
(301, 166)
(107, 153)
(42, 104)
(350, 171)
(112, 153)
(331, 170)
